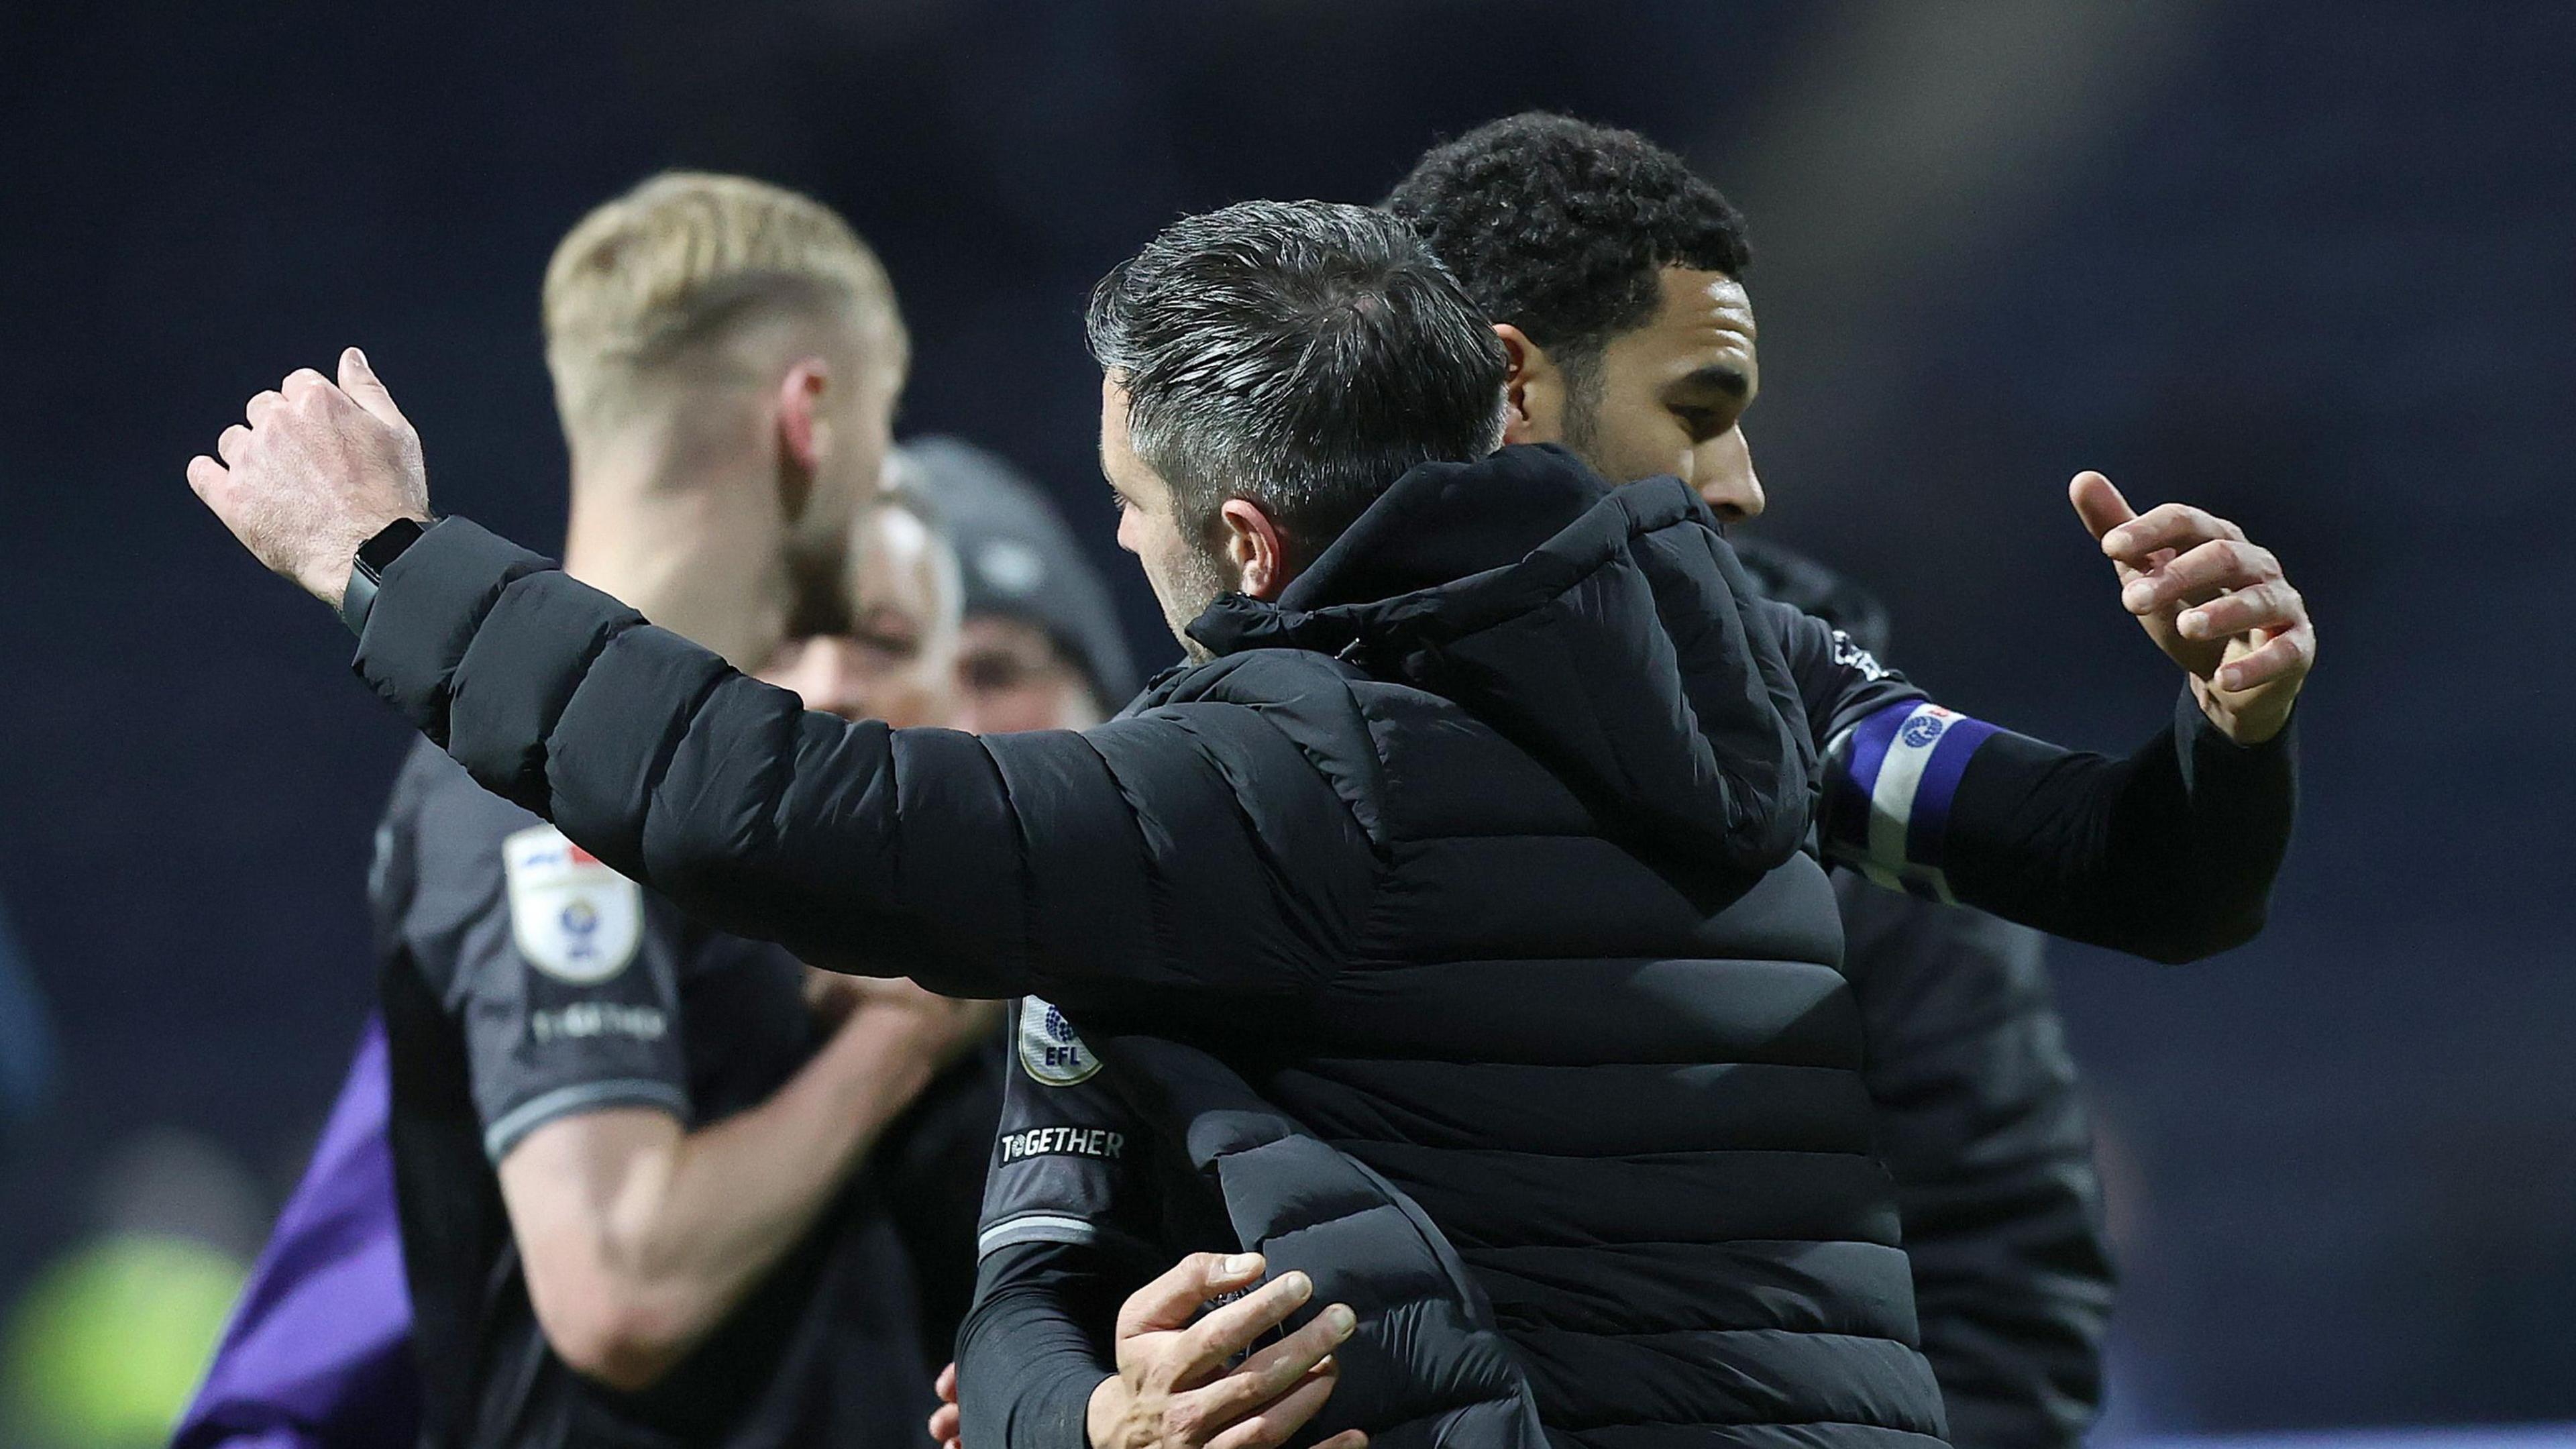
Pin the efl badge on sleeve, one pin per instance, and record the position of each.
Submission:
(573, 918)
(1048, 1048)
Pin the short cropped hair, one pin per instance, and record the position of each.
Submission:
(684, 261)
(1300, 354)
(1561, 227)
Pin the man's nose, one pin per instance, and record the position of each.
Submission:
(1729, 485)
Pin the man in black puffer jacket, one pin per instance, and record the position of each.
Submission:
(1451, 910)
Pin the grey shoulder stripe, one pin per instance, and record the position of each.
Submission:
(1035, 1228)
(545, 1107)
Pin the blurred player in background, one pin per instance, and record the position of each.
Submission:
(628, 1147)
(1614, 275)
(1041, 648)
(320, 1350)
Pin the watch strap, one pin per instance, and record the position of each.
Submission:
(367, 569)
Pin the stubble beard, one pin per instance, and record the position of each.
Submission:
(1195, 583)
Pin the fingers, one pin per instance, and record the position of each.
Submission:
(229, 446)
(1274, 1370)
(1347, 1439)
(261, 405)
(1273, 1425)
(358, 379)
(1204, 1349)
(1173, 1299)
(2285, 655)
(2098, 503)
(2266, 606)
(2177, 526)
(2215, 566)
(946, 1384)
(944, 1425)
(206, 475)
(300, 382)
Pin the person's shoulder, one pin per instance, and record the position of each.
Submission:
(1263, 707)
(434, 795)
(1260, 676)
(455, 837)
(1328, 706)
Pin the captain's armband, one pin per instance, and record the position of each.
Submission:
(1889, 784)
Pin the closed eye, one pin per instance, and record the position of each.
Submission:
(1704, 423)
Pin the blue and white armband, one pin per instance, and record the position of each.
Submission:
(1889, 784)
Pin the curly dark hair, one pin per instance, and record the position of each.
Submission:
(1560, 226)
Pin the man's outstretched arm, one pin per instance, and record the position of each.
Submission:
(2168, 852)
(1031, 862)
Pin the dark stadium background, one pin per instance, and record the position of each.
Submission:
(2312, 264)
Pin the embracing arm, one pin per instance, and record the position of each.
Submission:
(640, 1236)
(1035, 1372)
(1054, 862)
(979, 867)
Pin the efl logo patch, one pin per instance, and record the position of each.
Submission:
(1049, 1050)
(572, 917)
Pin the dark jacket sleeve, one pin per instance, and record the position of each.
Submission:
(1981, 1125)
(1047, 862)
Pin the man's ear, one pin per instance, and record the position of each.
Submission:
(804, 433)
(1533, 391)
(1256, 552)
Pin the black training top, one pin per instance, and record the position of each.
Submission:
(524, 982)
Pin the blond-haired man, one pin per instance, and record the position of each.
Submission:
(726, 358)
(659, 1185)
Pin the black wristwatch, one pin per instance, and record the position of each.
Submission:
(367, 570)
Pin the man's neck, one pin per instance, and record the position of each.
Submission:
(689, 536)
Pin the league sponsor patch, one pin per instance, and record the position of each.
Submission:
(1099, 1142)
(1049, 1050)
(584, 1020)
(572, 917)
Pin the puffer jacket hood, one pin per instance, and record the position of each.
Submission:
(1579, 622)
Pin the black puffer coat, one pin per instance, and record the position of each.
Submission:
(1459, 903)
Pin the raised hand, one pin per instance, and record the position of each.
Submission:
(314, 470)
(2217, 604)
(1173, 1389)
